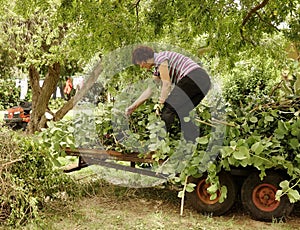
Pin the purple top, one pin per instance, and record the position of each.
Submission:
(179, 65)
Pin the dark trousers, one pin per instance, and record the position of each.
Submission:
(186, 95)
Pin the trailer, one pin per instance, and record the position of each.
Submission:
(258, 197)
(87, 157)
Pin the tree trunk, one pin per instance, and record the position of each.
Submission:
(41, 95)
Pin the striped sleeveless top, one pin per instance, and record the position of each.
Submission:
(179, 65)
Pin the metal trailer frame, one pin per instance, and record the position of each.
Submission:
(87, 157)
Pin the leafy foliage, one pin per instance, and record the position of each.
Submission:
(266, 133)
(28, 179)
(253, 76)
(53, 36)
(261, 131)
(9, 94)
(241, 40)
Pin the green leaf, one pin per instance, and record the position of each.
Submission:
(269, 118)
(287, 89)
(295, 131)
(242, 153)
(213, 196)
(294, 143)
(152, 135)
(202, 140)
(227, 151)
(285, 185)
(223, 194)
(152, 147)
(180, 194)
(56, 162)
(165, 148)
(55, 129)
(192, 171)
(186, 119)
(282, 130)
(293, 195)
(257, 148)
(253, 119)
(297, 85)
(71, 129)
(212, 189)
(190, 187)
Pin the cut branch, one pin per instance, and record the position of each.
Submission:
(205, 123)
(9, 163)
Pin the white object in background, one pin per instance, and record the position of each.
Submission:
(24, 88)
(78, 82)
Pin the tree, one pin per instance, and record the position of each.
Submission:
(44, 36)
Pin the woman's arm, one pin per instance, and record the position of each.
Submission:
(166, 81)
(142, 98)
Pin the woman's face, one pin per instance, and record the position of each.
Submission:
(145, 65)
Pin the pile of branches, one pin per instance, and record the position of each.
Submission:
(28, 179)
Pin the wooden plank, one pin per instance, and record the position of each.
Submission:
(109, 154)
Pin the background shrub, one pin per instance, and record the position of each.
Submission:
(9, 94)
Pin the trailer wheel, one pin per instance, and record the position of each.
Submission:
(200, 198)
(258, 197)
(23, 125)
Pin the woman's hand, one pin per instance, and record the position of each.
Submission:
(158, 108)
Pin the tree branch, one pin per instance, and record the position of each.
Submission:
(136, 6)
(249, 15)
(34, 79)
(254, 10)
(268, 23)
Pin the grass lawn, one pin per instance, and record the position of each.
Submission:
(113, 207)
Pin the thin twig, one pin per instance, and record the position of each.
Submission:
(205, 123)
(9, 163)
(136, 6)
(183, 195)
(268, 23)
(278, 86)
(222, 122)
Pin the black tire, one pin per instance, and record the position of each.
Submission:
(258, 197)
(23, 125)
(199, 199)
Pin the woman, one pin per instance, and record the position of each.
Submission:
(192, 83)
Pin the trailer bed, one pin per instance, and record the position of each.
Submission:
(110, 159)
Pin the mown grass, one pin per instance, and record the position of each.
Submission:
(106, 206)
(103, 205)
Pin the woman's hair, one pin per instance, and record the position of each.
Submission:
(142, 53)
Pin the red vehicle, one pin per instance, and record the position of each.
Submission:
(18, 117)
